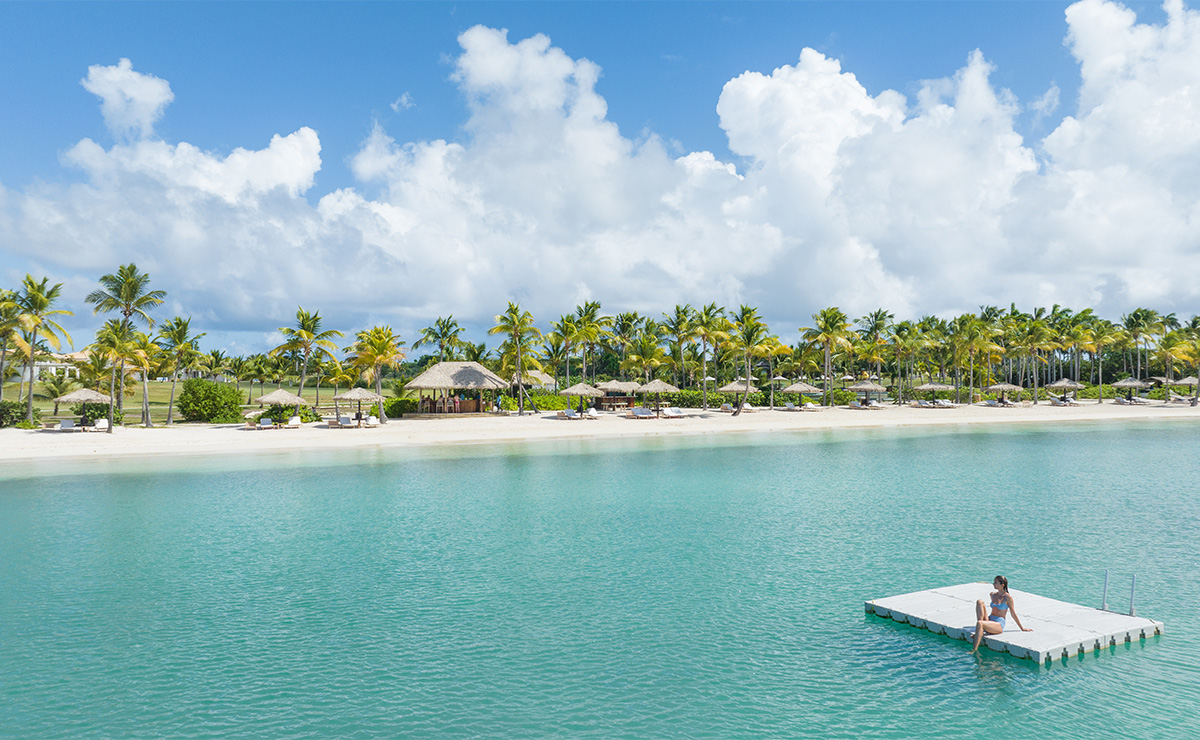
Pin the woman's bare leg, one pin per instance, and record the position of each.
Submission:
(982, 626)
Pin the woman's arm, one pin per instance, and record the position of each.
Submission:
(1012, 609)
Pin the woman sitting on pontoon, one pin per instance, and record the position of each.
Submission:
(1001, 607)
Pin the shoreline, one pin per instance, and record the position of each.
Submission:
(198, 440)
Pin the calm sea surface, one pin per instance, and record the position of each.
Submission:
(690, 588)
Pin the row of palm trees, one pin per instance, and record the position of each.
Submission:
(688, 346)
(124, 348)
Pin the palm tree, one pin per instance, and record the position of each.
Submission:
(115, 341)
(373, 351)
(646, 353)
(748, 338)
(874, 329)
(475, 352)
(306, 340)
(710, 326)
(1103, 333)
(517, 326)
(679, 330)
(213, 364)
(34, 306)
(55, 385)
(444, 334)
(182, 347)
(566, 330)
(8, 330)
(625, 327)
(591, 329)
(337, 375)
(127, 293)
(830, 329)
(145, 356)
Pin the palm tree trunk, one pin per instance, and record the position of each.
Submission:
(146, 422)
(704, 380)
(520, 381)
(121, 397)
(171, 403)
(112, 382)
(3, 367)
(379, 392)
(29, 367)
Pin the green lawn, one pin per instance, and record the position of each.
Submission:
(160, 394)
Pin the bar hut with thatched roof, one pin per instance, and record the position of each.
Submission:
(452, 385)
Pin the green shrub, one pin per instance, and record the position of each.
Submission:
(205, 400)
(90, 412)
(25, 424)
(396, 407)
(543, 401)
(283, 413)
(13, 413)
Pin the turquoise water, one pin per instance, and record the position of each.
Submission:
(694, 588)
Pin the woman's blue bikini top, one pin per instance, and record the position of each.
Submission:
(1000, 607)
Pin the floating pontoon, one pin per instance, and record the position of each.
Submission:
(1060, 629)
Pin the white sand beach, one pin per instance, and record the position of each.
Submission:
(192, 439)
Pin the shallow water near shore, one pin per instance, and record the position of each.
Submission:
(686, 587)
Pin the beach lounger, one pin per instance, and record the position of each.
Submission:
(991, 403)
(789, 406)
(591, 413)
(371, 422)
(101, 425)
(875, 405)
(569, 414)
(944, 403)
(673, 413)
(643, 413)
(856, 406)
(810, 406)
(748, 409)
(726, 408)
(68, 425)
(293, 423)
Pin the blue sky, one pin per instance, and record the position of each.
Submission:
(370, 79)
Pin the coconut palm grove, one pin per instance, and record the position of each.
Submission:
(695, 348)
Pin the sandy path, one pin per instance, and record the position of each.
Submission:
(19, 444)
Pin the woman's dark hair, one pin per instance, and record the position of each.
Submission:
(1003, 582)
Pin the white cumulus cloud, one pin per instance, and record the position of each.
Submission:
(131, 102)
(846, 196)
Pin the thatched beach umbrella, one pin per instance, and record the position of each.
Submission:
(360, 395)
(1130, 384)
(282, 398)
(1064, 385)
(582, 390)
(657, 387)
(933, 388)
(1003, 388)
(868, 387)
(802, 387)
(84, 395)
(738, 386)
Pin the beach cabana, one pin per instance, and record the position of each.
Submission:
(618, 393)
(458, 376)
